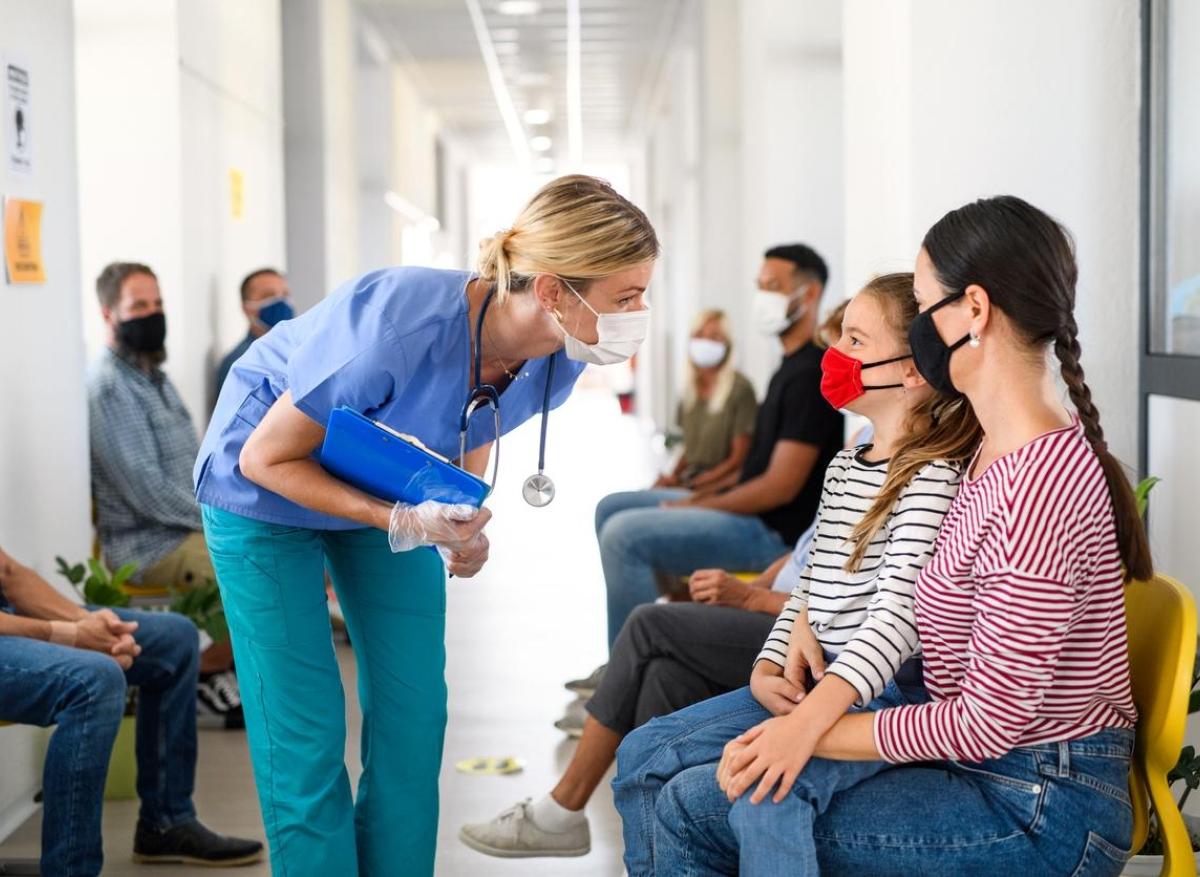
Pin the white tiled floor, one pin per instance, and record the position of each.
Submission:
(531, 620)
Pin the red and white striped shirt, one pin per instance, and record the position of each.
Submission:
(1021, 612)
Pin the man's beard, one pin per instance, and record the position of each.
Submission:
(147, 360)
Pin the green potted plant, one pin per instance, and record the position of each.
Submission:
(100, 587)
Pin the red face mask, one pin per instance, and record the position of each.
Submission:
(841, 377)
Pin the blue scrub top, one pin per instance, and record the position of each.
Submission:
(393, 344)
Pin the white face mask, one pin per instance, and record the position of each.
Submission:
(620, 335)
(707, 353)
(770, 311)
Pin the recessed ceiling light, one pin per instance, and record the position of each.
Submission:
(506, 48)
(532, 77)
(518, 7)
(537, 117)
(506, 34)
(541, 143)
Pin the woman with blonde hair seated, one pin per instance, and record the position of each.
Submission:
(716, 413)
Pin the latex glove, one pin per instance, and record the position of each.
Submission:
(434, 523)
(467, 560)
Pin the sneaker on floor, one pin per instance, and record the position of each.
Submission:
(587, 686)
(219, 702)
(192, 844)
(572, 721)
(514, 835)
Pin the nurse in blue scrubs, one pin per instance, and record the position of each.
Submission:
(562, 287)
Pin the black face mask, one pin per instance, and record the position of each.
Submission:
(144, 334)
(931, 355)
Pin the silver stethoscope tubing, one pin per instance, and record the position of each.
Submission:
(538, 489)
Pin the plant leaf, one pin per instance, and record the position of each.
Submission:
(122, 575)
(1141, 493)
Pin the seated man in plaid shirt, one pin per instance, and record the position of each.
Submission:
(143, 448)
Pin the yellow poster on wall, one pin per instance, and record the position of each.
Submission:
(23, 241)
(237, 194)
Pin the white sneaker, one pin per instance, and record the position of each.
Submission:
(514, 835)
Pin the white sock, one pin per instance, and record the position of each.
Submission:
(553, 817)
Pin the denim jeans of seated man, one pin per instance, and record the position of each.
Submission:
(651, 756)
(82, 693)
(638, 539)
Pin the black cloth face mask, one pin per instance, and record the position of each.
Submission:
(144, 334)
(931, 355)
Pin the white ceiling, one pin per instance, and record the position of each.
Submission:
(620, 40)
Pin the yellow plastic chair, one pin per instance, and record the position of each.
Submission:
(1161, 619)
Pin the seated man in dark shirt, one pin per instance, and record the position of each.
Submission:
(63, 665)
(757, 516)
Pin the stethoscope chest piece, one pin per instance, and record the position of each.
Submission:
(538, 490)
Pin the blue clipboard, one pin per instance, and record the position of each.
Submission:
(393, 466)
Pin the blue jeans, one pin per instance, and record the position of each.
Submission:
(83, 693)
(638, 539)
(653, 755)
(272, 580)
(1058, 808)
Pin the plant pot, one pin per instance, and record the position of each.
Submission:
(122, 765)
(1151, 866)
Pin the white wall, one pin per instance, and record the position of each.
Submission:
(231, 118)
(173, 96)
(1033, 99)
(44, 480)
(321, 175)
(791, 118)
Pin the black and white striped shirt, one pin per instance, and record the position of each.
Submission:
(866, 617)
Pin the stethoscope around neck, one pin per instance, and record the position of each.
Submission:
(538, 489)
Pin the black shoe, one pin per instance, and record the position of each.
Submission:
(192, 844)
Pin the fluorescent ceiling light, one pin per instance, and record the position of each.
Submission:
(410, 211)
(504, 101)
(537, 117)
(541, 143)
(574, 84)
(518, 7)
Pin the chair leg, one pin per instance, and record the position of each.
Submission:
(1178, 858)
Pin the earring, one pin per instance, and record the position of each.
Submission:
(975, 340)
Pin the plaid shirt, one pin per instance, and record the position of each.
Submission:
(143, 450)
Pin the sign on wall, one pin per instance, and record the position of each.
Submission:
(23, 241)
(237, 194)
(18, 144)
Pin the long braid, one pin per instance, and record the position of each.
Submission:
(1131, 534)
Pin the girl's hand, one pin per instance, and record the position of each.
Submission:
(804, 654)
(772, 753)
(777, 695)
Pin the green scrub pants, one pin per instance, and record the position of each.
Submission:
(272, 582)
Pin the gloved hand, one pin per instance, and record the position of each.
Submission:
(434, 523)
(467, 560)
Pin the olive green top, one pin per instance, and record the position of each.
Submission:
(708, 436)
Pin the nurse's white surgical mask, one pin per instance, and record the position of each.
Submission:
(770, 310)
(707, 353)
(620, 335)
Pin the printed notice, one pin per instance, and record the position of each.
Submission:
(17, 122)
(23, 241)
